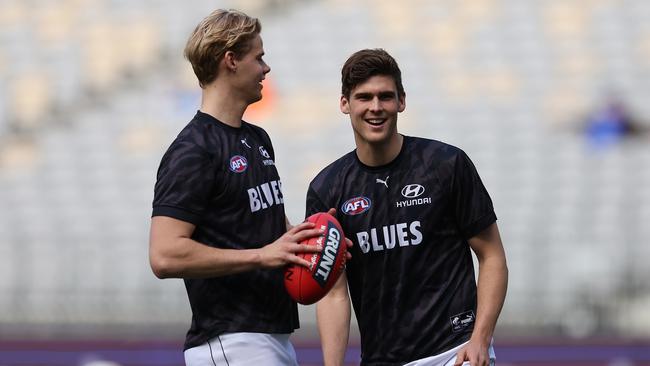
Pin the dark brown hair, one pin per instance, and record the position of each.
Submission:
(364, 64)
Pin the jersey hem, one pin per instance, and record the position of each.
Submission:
(189, 343)
(176, 213)
(479, 225)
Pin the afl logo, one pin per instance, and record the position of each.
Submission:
(356, 205)
(238, 164)
(412, 190)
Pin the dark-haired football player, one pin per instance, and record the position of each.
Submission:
(415, 209)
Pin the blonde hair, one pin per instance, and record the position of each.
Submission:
(221, 31)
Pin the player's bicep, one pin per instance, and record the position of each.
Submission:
(165, 240)
(487, 243)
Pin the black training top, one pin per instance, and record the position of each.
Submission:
(411, 276)
(224, 180)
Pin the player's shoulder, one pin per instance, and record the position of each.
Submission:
(335, 171)
(201, 137)
(433, 148)
(261, 136)
(196, 132)
(255, 129)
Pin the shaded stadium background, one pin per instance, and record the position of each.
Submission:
(93, 91)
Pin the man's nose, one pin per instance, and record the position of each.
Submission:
(375, 105)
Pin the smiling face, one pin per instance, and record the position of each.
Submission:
(250, 71)
(373, 106)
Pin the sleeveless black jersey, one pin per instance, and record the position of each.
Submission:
(224, 181)
(411, 276)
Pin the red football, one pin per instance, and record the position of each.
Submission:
(308, 285)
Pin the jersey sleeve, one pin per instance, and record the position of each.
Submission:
(314, 203)
(184, 183)
(472, 204)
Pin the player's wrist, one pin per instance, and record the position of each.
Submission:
(481, 337)
(255, 258)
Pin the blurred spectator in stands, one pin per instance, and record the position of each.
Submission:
(609, 124)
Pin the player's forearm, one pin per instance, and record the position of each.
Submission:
(187, 258)
(492, 286)
(333, 315)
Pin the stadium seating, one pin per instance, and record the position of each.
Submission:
(92, 93)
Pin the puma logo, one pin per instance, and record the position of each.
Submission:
(243, 141)
(384, 182)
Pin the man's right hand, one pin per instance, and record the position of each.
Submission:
(283, 251)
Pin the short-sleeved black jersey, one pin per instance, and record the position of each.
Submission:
(411, 276)
(224, 180)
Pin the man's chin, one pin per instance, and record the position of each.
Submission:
(255, 99)
(376, 139)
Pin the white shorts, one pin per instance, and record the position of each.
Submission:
(448, 358)
(243, 349)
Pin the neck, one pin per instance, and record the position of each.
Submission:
(222, 104)
(381, 153)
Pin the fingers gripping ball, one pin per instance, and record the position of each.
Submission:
(308, 285)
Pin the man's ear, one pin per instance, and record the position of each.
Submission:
(344, 105)
(402, 102)
(230, 61)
